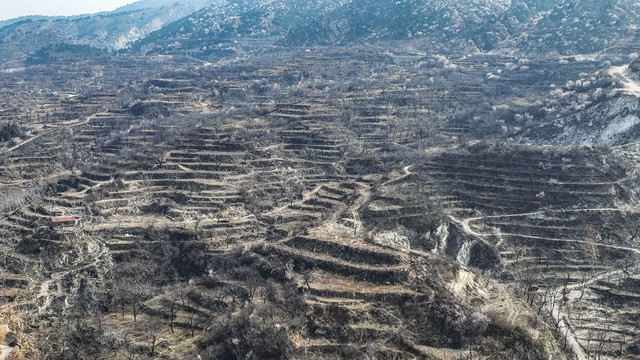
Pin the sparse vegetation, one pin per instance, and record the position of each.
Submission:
(385, 200)
(9, 131)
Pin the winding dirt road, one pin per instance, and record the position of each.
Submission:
(71, 125)
(555, 308)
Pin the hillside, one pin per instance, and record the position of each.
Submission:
(447, 27)
(597, 109)
(322, 180)
(582, 27)
(225, 28)
(453, 28)
(292, 206)
(528, 27)
(440, 22)
(111, 31)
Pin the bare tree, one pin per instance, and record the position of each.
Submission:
(170, 306)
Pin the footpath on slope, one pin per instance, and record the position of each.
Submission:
(621, 73)
(68, 125)
(555, 308)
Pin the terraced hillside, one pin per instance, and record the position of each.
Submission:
(242, 210)
(563, 223)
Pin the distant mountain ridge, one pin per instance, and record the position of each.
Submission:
(21, 38)
(211, 29)
(138, 5)
(8, 22)
(216, 28)
(151, 4)
(448, 26)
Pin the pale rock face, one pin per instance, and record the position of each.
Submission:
(618, 126)
(392, 239)
(442, 233)
(450, 242)
(464, 255)
(136, 33)
(465, 250)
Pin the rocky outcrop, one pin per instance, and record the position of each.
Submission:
(464, 250)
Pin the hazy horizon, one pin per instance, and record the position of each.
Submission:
(59, 8)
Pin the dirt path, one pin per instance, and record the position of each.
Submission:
(617, 247)
(466, 228)
(72, 125)
(621, 73)
(465, 224)
(90, 259)
(406, 172)
(365, 193)
(566, 329)
(182, 167)
(285, 207)
(555, 308)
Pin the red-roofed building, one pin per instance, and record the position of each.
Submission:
(63, 221)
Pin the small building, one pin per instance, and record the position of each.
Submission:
(63, 221)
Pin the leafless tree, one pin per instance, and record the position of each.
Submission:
(170, 306)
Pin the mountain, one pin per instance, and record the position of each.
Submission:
(211, 30)
(439, 21)
(113, 30)
(151, 4)
(225, 27)
(445, 26)
(524, 26)
(581, 27)
(218, 28)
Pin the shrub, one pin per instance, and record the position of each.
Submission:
(9, 131)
